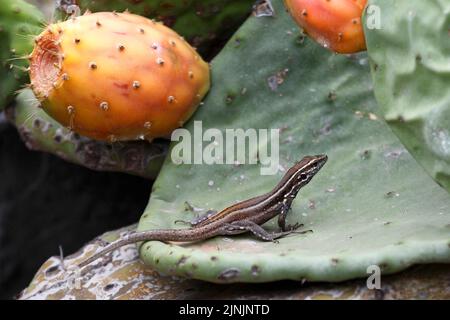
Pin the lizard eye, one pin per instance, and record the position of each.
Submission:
(303, 176)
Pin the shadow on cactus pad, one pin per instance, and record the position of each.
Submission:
(372, 204)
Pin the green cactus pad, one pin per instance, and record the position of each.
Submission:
(40, 132)
(19, 23)
(202, 22)
(410, 62)
(370, 204)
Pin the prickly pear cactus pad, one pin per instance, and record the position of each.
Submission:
(370, 204)
(40, 132)
(410, 62)
(19, 23)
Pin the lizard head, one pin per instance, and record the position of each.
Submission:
(306, 169)
(302, 172)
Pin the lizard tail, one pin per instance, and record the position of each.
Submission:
(129, 239)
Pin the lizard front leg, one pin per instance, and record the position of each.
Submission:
(282, 219)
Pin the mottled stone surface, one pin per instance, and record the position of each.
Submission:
(123, 276)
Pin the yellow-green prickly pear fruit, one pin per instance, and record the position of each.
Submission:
(117, 76)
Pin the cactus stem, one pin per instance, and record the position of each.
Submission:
(104, 106)
(136, 84)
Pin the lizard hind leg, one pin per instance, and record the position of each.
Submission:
(199, 219)
(257, 230)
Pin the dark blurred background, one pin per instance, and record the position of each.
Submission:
(46, 202)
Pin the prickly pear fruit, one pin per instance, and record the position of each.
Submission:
(117, 76)
(335, 24)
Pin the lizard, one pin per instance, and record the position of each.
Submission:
(245, 216)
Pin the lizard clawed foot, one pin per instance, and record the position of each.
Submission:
(302, 232)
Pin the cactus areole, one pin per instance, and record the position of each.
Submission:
(335, 24)
(117, 76)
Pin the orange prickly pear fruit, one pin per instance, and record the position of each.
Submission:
(335, 24)
(117, 76)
